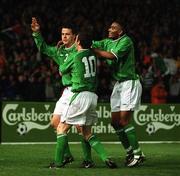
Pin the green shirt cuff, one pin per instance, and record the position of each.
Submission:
(35, 34)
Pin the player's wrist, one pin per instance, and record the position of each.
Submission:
(36, 33)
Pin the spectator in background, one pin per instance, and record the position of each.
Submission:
(178, 63)
(174, 88)
(159, 93)
(49, 90)
(160, 69)
(149, 31)
(147, 76)
(3, 60)
(159, 66)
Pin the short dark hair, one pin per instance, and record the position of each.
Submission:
(85, 39)
(69, 25)
(121, 22)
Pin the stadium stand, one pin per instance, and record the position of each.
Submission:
(25, 74)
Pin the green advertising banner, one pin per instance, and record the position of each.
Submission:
(30, 122)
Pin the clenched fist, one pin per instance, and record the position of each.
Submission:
(35, 25)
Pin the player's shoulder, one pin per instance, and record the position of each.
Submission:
(107, 40)
(125, 39)
(102, 41)
(128, 38)
(85, 53)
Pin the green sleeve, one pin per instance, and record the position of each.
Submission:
(122, 48)
(99, 44)
(160, 64)
(50, 51)
(110, 62)
(102, 44)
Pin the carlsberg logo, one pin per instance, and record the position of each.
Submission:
(26, 120)
(156, 120)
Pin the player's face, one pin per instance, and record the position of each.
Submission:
(67, 37)
(115, 31)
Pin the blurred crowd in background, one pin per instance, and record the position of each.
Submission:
(26, 74)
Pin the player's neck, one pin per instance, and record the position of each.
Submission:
(69, 45)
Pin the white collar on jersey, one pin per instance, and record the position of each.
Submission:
(70, 47)
(119, 38)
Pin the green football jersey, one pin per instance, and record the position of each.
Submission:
(84, 71)
(123, 49)
(61, 55)
(102, 45)
(160, 64)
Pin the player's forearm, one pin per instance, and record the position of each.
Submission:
(38, 40)
(50, 51)
(104, 54)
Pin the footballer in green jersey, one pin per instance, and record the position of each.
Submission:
(82, 109)
(126, 94)
(124, 60)
(84, 71)
(59, 54)
(63, 57)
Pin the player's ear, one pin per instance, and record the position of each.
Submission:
(120, 32)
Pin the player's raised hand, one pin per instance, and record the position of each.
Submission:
(35, 25)
(59, 44)
(76, 39)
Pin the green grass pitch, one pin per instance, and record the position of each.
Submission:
(29, 160)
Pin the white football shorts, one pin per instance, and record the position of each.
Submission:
(82, 110)
(63, 102)
(126, 96)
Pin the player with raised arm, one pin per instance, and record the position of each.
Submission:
(126, 94)
(82, 108)
(62, 56)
